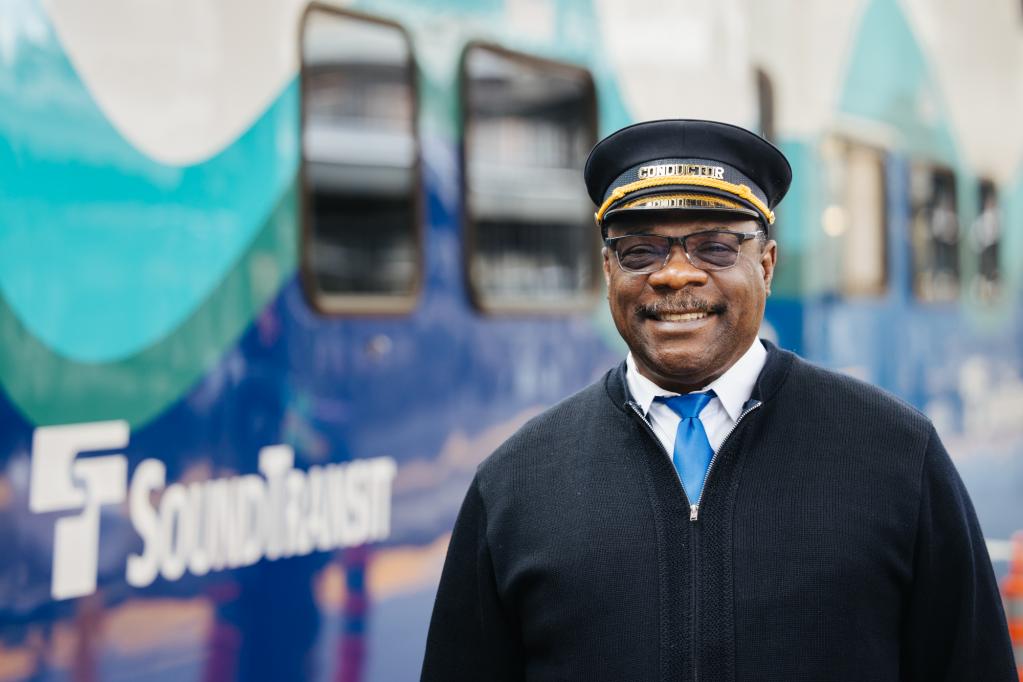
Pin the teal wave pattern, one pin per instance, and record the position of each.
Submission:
(103, 250)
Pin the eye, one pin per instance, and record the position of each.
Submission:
(638, 256)
(715, 248)
(638, 250)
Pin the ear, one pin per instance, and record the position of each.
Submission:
(606, 253)
(768, 259)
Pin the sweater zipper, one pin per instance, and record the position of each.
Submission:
(692, 554)
(694, 595)
(694, 515)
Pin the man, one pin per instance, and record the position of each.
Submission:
(715, 508)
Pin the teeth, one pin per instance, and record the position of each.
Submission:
(682, 317)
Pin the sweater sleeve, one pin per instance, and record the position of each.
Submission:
(472, 636)
(955, 627)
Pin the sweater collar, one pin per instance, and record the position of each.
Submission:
(776, 368)
(733, 388)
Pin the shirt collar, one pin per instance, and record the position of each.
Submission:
(733, 388)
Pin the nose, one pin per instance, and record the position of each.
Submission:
(678, 272)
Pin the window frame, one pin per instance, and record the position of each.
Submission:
(982, 182)
(587, 298)
(767, 107)
(935, 166)
(884, 286)
(349, 304)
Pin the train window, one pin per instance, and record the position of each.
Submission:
(985, 238)
(528, 124)
(855, 216)
(934, 232)
(361, 245)
(765, 104)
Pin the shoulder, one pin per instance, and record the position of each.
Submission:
(840, 399)
(842, 390)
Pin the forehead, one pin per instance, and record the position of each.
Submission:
(680, 225)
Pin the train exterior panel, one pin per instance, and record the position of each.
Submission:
(276, 277)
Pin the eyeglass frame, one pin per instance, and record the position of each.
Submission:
(681, 241)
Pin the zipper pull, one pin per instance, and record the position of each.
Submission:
(694, 512)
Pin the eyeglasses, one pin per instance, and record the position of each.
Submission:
(708, 250)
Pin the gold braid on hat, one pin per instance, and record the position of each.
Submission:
(741, 191)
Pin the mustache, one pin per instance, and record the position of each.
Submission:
(686, 302)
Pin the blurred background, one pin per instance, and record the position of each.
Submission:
(275, 277)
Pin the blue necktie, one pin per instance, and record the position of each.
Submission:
(692, 449)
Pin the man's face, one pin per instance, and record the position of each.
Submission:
(684, 355)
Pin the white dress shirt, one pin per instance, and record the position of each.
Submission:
(731, 391)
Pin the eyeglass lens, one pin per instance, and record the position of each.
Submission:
(706, 250)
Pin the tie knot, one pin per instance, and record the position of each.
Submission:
(688, 406)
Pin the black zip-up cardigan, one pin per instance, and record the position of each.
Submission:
(834, 542)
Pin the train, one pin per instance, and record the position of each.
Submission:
(275, 277)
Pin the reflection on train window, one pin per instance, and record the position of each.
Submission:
(935, 232)
(361, 242)
(855, 216)
(528, 125)
(985, 238)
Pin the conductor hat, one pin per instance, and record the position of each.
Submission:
(676, 165)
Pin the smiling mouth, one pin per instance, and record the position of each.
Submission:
(681, 309)
(680, 317)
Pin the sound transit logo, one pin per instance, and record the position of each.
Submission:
(200, 526)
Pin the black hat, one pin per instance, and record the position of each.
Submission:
(680, 164)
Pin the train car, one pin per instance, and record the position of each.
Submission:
(275, 277)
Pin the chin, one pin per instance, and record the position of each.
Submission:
(692, 367)
(688, 369)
